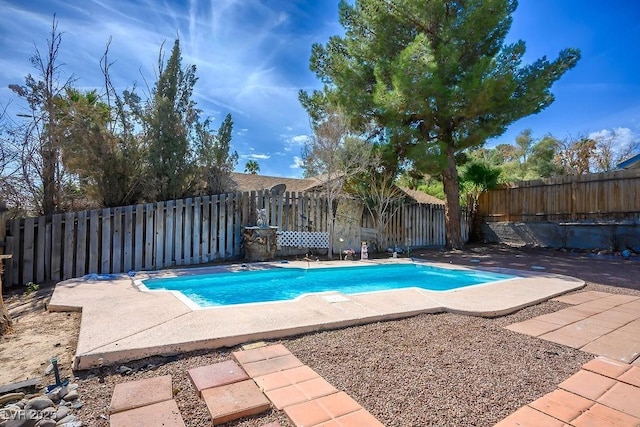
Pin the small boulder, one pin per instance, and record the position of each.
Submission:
(46, 423)
(125, 370)
(62, 412)
(39, 403)
(66, 420)
(72, 395)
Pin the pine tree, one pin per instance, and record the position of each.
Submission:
(437, 76)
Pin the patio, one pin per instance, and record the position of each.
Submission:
(121, 323)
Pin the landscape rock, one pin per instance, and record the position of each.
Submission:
(39, 403)
(49, 369)
(76, 405)
(46, 423)
(125, 370)
(62, 412)
(66, 420)
(72, 395)
(11, 397)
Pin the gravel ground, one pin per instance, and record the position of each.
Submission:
(434, 369)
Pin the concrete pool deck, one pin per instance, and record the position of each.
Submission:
(121, 322)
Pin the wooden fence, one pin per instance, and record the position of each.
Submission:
(416, 225)
(592, 197)
(182, 232)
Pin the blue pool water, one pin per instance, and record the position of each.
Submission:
(248, 286)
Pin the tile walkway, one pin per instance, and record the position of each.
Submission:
(599, 323)
(604, 393)
(267, 375)
(306, 398)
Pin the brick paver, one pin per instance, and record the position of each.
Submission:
(232, 401)
(164, 414)
(306, 398)
(134, 394)
(215, 375)
(598, 323)
(606, 391)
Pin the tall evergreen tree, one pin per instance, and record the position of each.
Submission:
(171, 121)
(437, 75)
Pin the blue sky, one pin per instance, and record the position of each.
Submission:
(252, 57)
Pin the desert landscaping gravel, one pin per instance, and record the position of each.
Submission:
(428, 370)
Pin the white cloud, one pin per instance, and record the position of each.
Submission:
(255, 156)
(620, 138)
(297, 163)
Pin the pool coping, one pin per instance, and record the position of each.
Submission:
(121, 322)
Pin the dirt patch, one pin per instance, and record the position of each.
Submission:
(442, 369)
(37, 336)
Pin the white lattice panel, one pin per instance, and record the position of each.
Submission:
(304, 239)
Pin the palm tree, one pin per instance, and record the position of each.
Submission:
(252, 167)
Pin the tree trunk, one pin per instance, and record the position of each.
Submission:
(452, 214)
(5, 320)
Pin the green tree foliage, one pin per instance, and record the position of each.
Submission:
(171, 118)
(252, 167)
(437, 75)
(478, 177)
(105, 161)
(215, 160)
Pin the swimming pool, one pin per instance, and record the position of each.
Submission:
(279, 284)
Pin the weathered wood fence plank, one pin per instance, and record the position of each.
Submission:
(183, 232)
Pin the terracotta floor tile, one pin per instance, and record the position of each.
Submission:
(330, 423)
(300, 374)
(338, 404)
(607, 367)
(563, 317)
(307, 413)
(603, 416)
(275, 350)
(358, 419)
(268, 366)
(248, 356)
(286, 396)
(614, 346)
(592, 307)
(232, 401)
(574, 336)
(529, 417)
(260, 353)
(216, 375)
(272, 381)
(134, 394)
(636, 362)
(632, 329)
(615, 317)
(300, 392)
(316, 387)
(164, 414)
(587, 384)
(562, 405)
(284, 378)
(632, 376)
(591, 327)
(581, 297)
(533, 327)
(623, 397)
(621, 299)
(630, 307)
